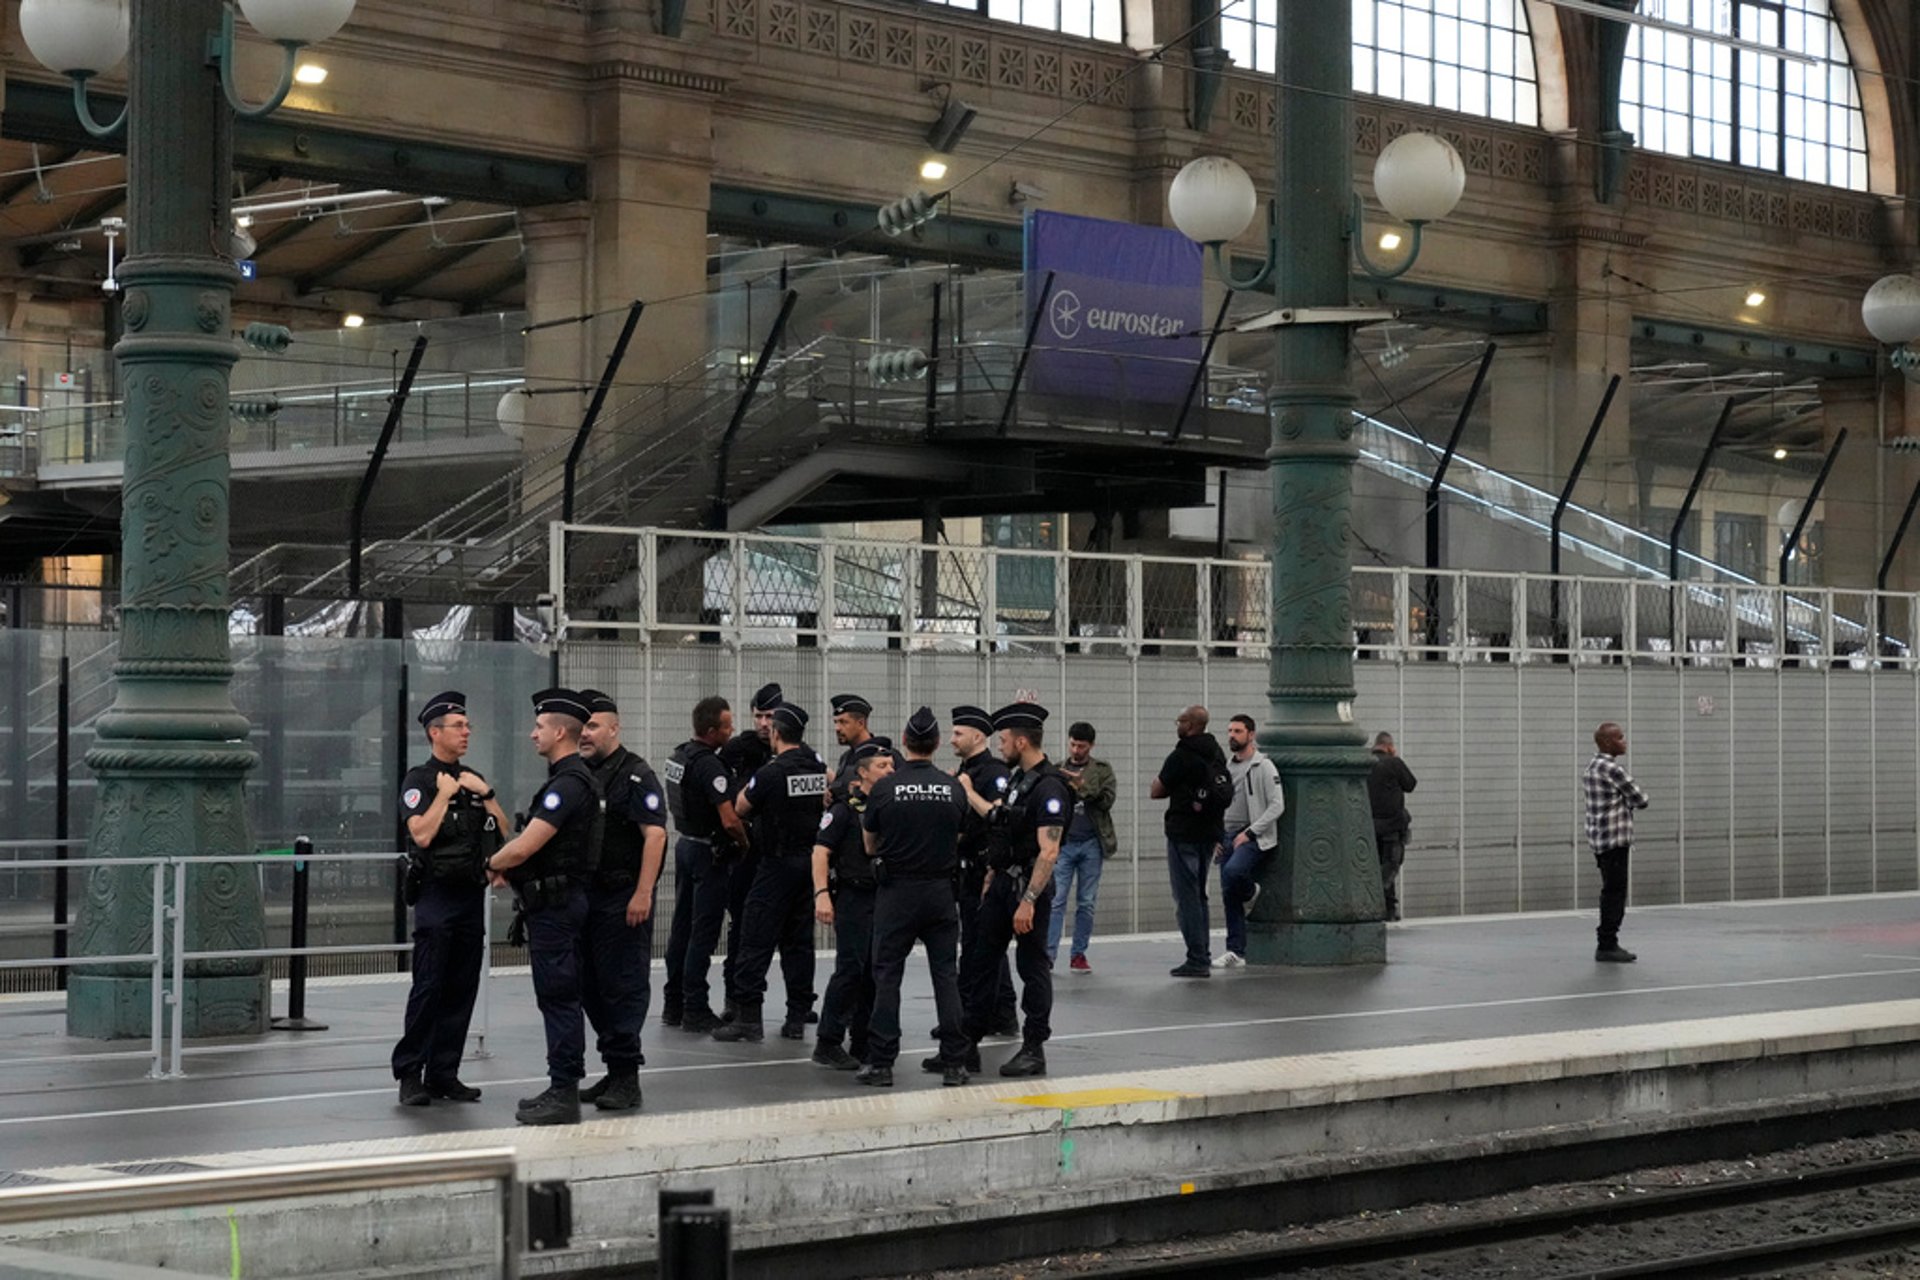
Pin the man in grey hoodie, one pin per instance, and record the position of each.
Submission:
(1253, 832)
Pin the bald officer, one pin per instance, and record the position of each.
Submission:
(453, 823)
(548, 866)
(1019, 892)
(617, 955)
(782, 804)
(913, 824)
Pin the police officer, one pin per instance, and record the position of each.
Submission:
(712, 838)
(744, 756)
(850, 715)
(972, 729)
(617, 955)
(782, 801)
(453, 823)
(1019, 890)
(548, 866)
(913, 825)
(843, 890)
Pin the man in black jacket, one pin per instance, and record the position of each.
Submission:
(1195, 826)
(1387, 788)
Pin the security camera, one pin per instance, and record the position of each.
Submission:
(1026, 193)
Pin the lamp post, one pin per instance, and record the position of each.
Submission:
(1321, 902)
(170, 754)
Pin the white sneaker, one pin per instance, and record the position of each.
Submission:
(1229, 960)
(1251, 897)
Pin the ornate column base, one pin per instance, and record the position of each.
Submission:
(1320, 895)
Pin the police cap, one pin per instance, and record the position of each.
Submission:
(1020, 715)
(767, 697)
(972, 718)
(922, 724)
(788, 716)
(867, 750)
(561, 702)
(851, 704)
(450, 703)
(599, 703)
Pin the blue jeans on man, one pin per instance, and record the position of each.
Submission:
(1238, 884)
(1187, 863)
(1080, 860)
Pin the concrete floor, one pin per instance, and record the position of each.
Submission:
(1449, 980)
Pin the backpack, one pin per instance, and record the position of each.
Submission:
(1210, 800)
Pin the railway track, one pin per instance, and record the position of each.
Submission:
(1430, 1242)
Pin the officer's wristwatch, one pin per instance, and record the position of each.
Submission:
(1029, 897)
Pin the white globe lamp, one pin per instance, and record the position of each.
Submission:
(1419, 177)
(77, 37)
(512, 412)
(1891, 309)
(297, 21)
(1212, 200)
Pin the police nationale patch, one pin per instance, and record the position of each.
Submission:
(411, 798)
(1053, 806)
(1000, 783)
(653, 801)
(720, 785)
(551, 800)
(826, 821)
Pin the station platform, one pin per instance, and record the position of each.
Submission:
(1478, 1028)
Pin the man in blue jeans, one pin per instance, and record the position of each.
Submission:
(1192, 783)
(1088, 842)
(1253, 832)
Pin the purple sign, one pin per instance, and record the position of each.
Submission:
(1124, 317)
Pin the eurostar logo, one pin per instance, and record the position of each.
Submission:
(1063, 313)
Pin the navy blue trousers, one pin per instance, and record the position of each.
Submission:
(449, 923)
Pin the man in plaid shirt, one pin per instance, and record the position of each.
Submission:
(1612, 796)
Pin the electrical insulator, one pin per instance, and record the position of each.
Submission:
(897, 366)
(908, 212)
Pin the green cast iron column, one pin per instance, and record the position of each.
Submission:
(1320, 901)
(171, 754)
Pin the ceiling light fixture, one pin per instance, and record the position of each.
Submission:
(1779, 455)
(310, 73)
(933, 169)
(1390, 240)
(1755, 298)
(956, 117)
(352, 320)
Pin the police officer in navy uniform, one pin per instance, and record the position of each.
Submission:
(744, 756)
(913, 823)
(843, 892)
(711, 840)
(453, 823)
(972, 743)
(850, 715)
(1019, 890)
(548, 866)
(617, 954)
(783, 803)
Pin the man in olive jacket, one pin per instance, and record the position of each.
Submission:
(1088, 842)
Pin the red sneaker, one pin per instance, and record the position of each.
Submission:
(1079, 965)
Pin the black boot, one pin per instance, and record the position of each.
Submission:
(698, 1021)
(878, 1077)
(413, 1091)
(594, 1091)
(1030, 1061)
(794, 1028)
(670, 1016)
(744, 1026)
(832, 1055)
(558, 1105)
(622, 1092)
(453, 1090)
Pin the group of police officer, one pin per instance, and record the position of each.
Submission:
(888, 849)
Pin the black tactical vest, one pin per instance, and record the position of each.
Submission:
(692, 807)
(623, 840)
(575, 847)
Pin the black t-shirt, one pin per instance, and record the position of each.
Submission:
(843, 835)
(634, 803)
(1039, 797)
(915, 814)
(1189, 768)
(697, 781)
(990, 781)
(785, 799)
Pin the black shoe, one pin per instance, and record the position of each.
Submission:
(1615, 954)
(670, 1017)
(742, 1028)
(878, 1077)
(1191, 971)
(729, 1012)
(813, 1016)
(453, 1091)
(1030, 1061)
(537, 1100)
(621, 1094)
(1006, 1027)
(414, 1093)
(699, 1021)
(953, 1074)
(558, 1105)
(832, 1055)
(934, 1034)
(593, 1092)
(793, 1029)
